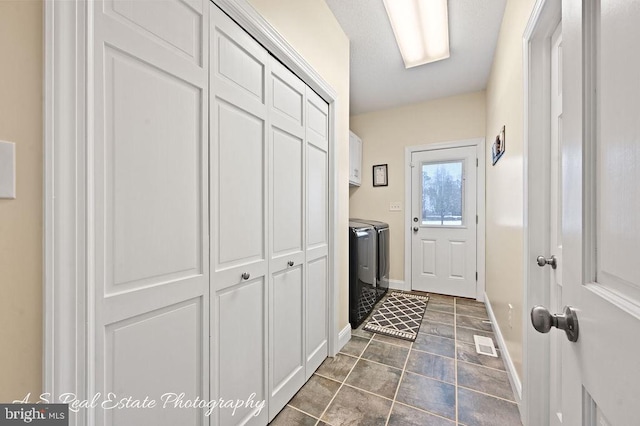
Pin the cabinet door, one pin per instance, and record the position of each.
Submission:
(239, 252)
(355, 159)
(317, 244)
(286, 94)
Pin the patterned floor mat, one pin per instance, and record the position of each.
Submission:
(399, 316)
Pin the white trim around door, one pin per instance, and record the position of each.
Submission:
(68, 197)
(544, 19)
(479, 143)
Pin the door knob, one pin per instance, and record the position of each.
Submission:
(542, 321)
(415, 229)
(290, 263)
(246, 275)
(542, 261)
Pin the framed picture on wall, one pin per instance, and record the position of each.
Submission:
(498, 147)
(380, 177)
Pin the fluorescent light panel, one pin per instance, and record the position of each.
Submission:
(421, 28)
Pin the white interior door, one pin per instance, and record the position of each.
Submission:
(286, 94)
(148, 210)
(317, 229)
(601, 200)
(443, 224)
(555, 225)
(239, 220)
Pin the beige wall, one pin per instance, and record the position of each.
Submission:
(385, 134)
(21, 219)
(505, 106)
(310, 27)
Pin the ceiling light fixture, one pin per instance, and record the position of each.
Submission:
(421, 28)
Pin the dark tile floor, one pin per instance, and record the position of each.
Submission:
(437, 380)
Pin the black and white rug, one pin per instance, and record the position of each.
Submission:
(399, 316)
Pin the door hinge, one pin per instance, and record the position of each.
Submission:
(476, 276)
(477, 163)
(476, 219)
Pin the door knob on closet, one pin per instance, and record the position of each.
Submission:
(542, 321)
(290, 263)
(543, 261)
(246, 276)
(415, 229)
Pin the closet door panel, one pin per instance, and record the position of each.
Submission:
(241, 342)
(316, 310)
(286, 117)
(146, 208)
(239, 222)
(317, 226)
(239, 153)
(240, 169)
(317, 174)
(287, 197)
(287, 337)
(286, 303)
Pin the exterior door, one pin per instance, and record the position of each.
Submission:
(147, 210)
(443, 223)
(601, 200)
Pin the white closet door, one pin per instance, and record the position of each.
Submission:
(317, 244)
(148, 208)
(286, 94)
(238, 172)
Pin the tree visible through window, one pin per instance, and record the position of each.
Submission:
(442, 193)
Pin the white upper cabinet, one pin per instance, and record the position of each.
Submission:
(355, 159)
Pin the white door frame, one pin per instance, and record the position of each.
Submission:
(68, 269)
(479, 143)
(544, 19)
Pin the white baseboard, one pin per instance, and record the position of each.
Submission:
(514, 379)
(399, 285)
(344, 336)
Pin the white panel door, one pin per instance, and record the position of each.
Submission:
(317, 244)
(239, 221)
(443, 227)
(555, 222)
(601, 200)
(148, 210)
(286, 94)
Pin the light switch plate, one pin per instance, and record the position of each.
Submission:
(7, 169)
(395, 206)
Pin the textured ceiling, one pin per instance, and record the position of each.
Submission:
(379, 79)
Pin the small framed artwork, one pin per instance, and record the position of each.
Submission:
(380, 177)
(498, 147)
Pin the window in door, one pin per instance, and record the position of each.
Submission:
(443, 193)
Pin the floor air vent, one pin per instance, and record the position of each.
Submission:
(484, 346)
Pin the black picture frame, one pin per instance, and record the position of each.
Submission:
(498, 147)
(380, 175)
